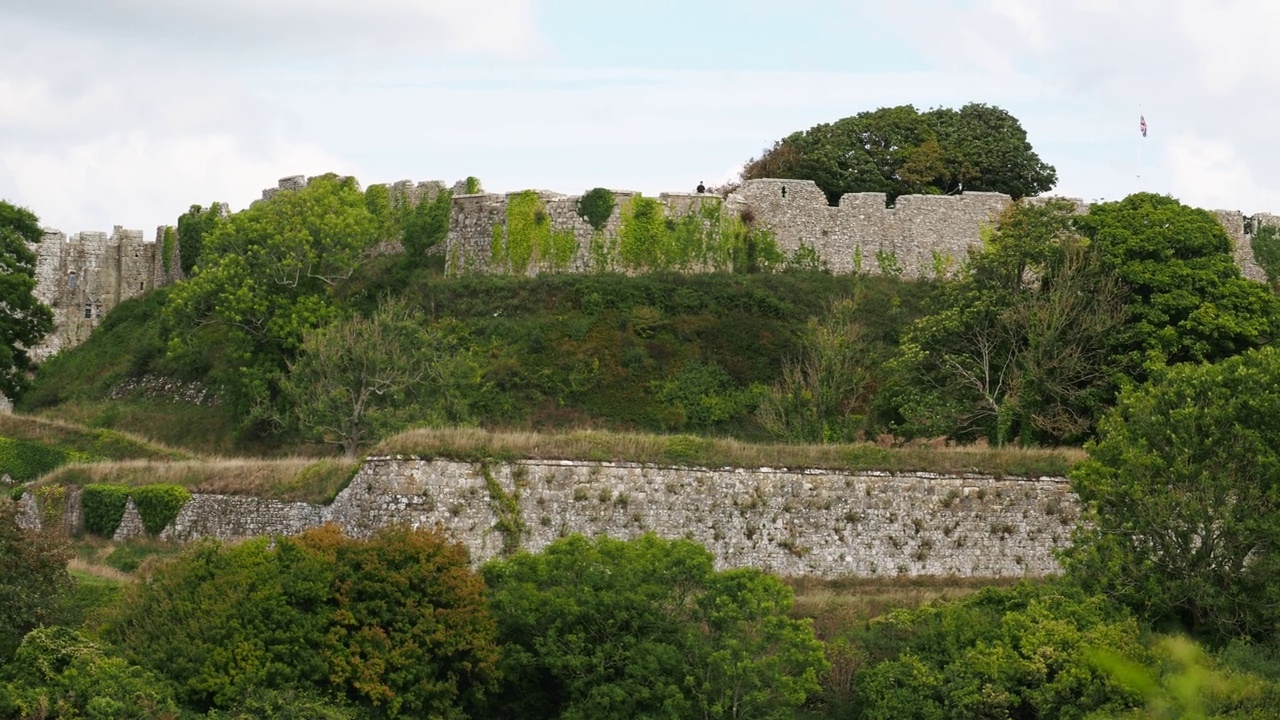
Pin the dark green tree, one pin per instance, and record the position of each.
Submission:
(33, 577)
(1187, 301)
(1183, 491)
(24, 320)
(899, 151)
(266, 277)
(194, 226)
(645, 628)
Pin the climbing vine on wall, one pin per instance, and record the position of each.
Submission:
(166, 249)
(705, 238)
(529, 239)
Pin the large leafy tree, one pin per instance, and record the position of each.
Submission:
(898, 150)
(1183, 489)
(359, 378)
(645, 628)
(24, 320)
(266, 277)
(1187, 300)
(396, 624)
(1020, 344)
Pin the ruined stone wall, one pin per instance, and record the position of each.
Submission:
(83, 276)
(919, 236)
(791, 522)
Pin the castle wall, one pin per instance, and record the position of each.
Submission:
(790, 522)
(83, 276)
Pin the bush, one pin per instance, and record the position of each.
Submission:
(24, 461)
(103, 507)
(595, 206)
(158, 505)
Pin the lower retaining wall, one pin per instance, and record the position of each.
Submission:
(821, 523)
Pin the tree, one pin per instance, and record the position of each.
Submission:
(396, 623)
(194, 226)
(899, 150)
(266, 277)
(59, 673)
(33, 577)
(360, 377)
(1020, 344)
(1183, 491)
(1186, 299)
(24, 320)
(645, 628)
(1019, 653)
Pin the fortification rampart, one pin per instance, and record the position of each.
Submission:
(791, 522)
(83, 276)
(917, 236)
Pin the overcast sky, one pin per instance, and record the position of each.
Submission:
(128, 111)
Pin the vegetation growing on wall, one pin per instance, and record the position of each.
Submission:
(703, 239)
(596, 207)
(168, 241)
(529, 239)
(102, 506)
(159, 504)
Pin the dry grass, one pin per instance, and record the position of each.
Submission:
(292, 479)
(84, 568)
(471, 444)
(838, 605)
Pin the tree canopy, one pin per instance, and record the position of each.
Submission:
(33, 576)
(24, 320)
(646, 628)
(395, 624)
(265, 277)
(899, 151)
(1187, 301)
(1183, 484)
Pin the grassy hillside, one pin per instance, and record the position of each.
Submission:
(472, 444)
(656, 353)
(31, 447)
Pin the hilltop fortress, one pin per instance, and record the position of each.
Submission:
(84, 275)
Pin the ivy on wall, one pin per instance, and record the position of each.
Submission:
(529, 239)
(103, 507)
(168, 242)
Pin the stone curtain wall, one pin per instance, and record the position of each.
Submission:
(821, 523)
(83, 276)
(921, 236)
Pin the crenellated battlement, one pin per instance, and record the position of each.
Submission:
(82, 276)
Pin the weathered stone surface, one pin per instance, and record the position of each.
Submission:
(790, 522)
(130, 523)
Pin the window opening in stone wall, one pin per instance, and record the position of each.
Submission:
(784, 191)
(71, 279)
(88, 311)
(142, 286)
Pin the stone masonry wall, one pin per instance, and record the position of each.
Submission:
(83, 276)
(790, 522)
(920, 235)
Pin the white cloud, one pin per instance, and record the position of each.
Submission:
(301, 28)
(123, 179)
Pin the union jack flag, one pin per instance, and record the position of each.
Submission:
(1142, 125)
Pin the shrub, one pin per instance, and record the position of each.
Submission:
(596, 206)
(103, 507)
(24, 460)
(158, 505)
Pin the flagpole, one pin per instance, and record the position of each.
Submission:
(1142, 120)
